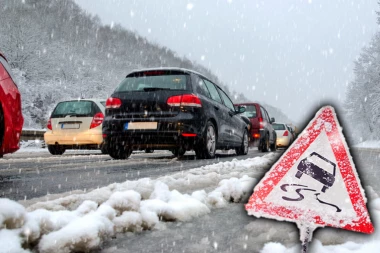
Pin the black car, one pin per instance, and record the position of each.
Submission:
(174, 109)
(316, 172)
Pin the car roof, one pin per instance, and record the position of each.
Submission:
(188, 71)
(86, 99)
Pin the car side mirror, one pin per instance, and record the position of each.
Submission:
(240, 109)
(272, 120)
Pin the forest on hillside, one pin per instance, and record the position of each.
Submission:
(362, 104)
(58, 51)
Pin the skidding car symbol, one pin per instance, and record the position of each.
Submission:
(309, 168)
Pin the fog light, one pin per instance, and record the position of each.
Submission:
(256, 136)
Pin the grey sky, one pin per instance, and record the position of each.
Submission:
(290, 54)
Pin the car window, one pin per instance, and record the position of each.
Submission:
(278, 126)
(153, 81)
(103, 103)
(264, 115)
(4, 69)
(213, 92)
(78, 108)
(227, 100)
(200, 87)
(250, 111)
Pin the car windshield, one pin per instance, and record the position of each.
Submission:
(74, 108)
(278, 126)
(145, 83)
(250, 111)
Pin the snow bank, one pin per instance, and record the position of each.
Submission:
(11, 242)
(85, 228)
(85, 234)
(81, 222)
(12, 214)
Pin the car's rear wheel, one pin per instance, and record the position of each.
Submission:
(119, 152)
(56, 149)
(178, 152)
(207, 147)
(243, 150)
(273, 146)
(266, 145)
(104, 150)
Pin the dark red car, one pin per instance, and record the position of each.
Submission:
(11, 119)
(261, 133)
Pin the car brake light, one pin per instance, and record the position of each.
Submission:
(261, 123)
(97, 120)
(113, 103)
(49, 125)
(256, 135)
(189, 135)
(184, 100)
(286, 133)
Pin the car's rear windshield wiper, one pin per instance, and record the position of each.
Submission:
(155, 89)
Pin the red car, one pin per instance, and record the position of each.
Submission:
(11, 119)
(261, 133)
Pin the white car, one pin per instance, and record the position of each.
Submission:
(284, 137)
(75, 124)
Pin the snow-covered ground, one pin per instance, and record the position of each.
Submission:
(82, 222)
(369, 144)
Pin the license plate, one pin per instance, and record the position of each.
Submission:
(140, 126)
(70, 126)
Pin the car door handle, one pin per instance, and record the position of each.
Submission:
(216, 107)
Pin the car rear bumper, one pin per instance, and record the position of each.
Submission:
(87, 138)
(169, 133)
(282, 141)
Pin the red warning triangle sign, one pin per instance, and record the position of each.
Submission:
(315, 181)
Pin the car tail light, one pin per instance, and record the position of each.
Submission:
(49, 125)
(286, 133)
(189, 135)
(261, 123)
(255, 135)
(184, 100)
(113, 103)
(97, 120)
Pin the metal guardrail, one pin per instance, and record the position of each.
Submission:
(27, 135)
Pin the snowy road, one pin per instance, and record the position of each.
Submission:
(26, 175)
(183, 206)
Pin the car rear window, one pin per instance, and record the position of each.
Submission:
(154, 81)
(250, 111)
(278, 126)
(75, 108)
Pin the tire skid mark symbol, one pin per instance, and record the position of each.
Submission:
(301, 196)
(298, 191)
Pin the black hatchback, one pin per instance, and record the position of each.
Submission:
(173, 109)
